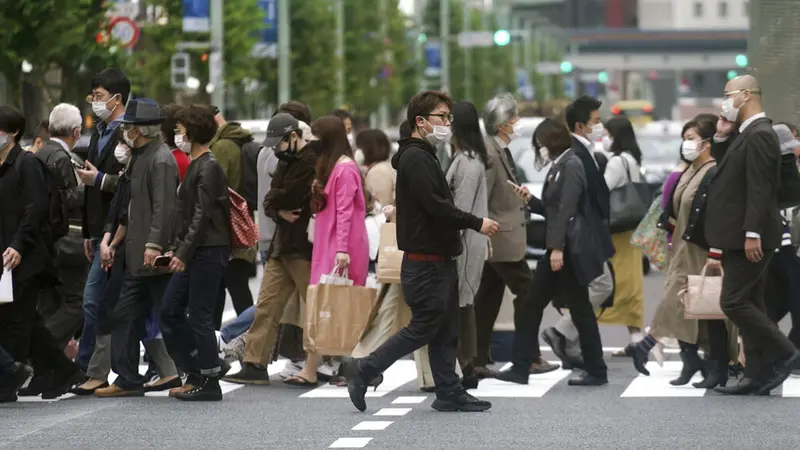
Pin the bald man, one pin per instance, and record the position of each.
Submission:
(743, 227)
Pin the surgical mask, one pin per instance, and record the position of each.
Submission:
(516, 133)
(606, 144)
(3, 140)
(128, 140)
(730, 112)
(689, 150)
(596, 133)
(184, 145)
(441, 133)
(351, 139)
(100, 109)
(122, 153)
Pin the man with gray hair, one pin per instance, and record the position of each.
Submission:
(63, 308)
(506, 265)
(154, 184)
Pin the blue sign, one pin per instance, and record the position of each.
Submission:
(569, 87)
(433, 58)
(591, 89)
(196, 14)
(269, 35)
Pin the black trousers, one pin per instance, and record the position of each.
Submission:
(6, 364)
(237, 282)
(782, 294)
(494, 279)
(742, 301)
(138, 298)
(61, 306)
(546, 286)
(431, 291)
(24, 335)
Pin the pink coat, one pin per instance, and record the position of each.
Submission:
(341, 226)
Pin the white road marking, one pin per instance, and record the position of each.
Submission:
(395, 376)
(395, 412)
(358, 442)
(372, 425)
(414, 400)
(537, 386)
(657, 384)
(791, 387)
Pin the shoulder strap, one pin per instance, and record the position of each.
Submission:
(627, 168)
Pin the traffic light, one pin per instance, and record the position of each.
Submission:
(741, 60)
(502, 37)
(566, 67)
(422, 38)
(602, 77)
(732, 74)
(180, 70)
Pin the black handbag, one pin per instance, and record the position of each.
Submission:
(628, 204)
(789, 189)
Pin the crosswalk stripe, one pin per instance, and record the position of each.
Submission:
(791, 387)
(537, 386)
(657, 384)
(399, 374)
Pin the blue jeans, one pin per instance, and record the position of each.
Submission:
(92, 297)
(239, 325)
(190, 337)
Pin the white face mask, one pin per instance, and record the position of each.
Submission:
(3, 140)
(122, 153)
(606, 144)
(352, 140)
(689, 150)
(516, 133)
(441, 133)
(730, 112)
(184, 145)
(100, 109)
(128, 140)
(596, 133)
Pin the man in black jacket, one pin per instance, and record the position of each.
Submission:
(428, 226)
(110, 90)
(742, 219)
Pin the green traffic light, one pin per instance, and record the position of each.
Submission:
(423, 38)
(741, 60)
(732, 74)
(502, 37)
(566, 67)
(602, 77)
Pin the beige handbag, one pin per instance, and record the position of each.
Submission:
(701, 298)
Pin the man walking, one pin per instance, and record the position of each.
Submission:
(743, 220)
(428, 226)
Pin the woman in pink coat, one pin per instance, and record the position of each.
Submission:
(340, 232)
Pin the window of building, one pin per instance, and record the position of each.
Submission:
(698, 9)
(723, 9)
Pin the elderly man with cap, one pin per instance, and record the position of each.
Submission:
(288, 265)
(154, 183)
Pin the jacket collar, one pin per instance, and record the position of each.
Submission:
(15, 152)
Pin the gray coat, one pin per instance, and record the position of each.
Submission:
(266, 165)
(504, 206)
(154, 187)
(467, 179)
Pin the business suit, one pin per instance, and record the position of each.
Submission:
(571, 226)
(506, 265)
(743, 198)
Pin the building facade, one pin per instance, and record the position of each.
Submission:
(693, 14)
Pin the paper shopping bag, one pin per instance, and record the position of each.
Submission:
(390, 258)
(6, 287)
(336, 315)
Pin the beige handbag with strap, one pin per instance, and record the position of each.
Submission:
(701, 298)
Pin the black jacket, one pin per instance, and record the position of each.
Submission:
(428, 221)
(23, 213)
(599, 196)
(743, 195)
(59, 161)
(695, 229)
(202, 213)
(118, 211)
(97, 198)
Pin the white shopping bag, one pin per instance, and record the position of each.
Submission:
(6, 287)
(337, 276)
(372, 281)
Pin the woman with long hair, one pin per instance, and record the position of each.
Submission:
(623, 168)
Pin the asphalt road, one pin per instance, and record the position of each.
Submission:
(632, 412)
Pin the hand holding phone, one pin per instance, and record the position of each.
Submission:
(77, 165)
(162, 261)
(521, 191)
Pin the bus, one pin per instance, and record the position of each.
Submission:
(639, 112)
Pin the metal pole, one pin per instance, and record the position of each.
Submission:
(284, 57)
(419, 49)
(444, 37)
(216, 64)
(340, 52)
(515, 29)
(383, 111)
(467, 26)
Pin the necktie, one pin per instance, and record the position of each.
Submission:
(510, 160)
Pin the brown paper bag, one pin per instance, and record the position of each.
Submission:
(336, 316)
(390, 258)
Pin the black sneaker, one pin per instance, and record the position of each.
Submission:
(462, 401)
(249, 374)
(207, 391)
(19, 375)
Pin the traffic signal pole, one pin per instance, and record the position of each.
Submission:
(444, 37)
(467, 26)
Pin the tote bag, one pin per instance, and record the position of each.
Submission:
(701, 297)
(628, 203)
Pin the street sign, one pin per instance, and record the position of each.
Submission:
(268, 47)
(433, 58)
(548, 68)
(470, 39)
(196, 16)
(524, 86)
(569, 87)
(124, 30)
(591, 89)
(123, 8)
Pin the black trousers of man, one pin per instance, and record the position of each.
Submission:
(494, 279)
(782, 294)
(430, 289)
(742, 301)
(528, 314)
(237, 283)
(140, 295)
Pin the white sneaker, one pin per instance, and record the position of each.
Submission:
(328, 369)
(292, 368)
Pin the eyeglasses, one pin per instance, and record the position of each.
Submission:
(447, 117)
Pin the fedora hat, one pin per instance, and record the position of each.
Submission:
(142, 111)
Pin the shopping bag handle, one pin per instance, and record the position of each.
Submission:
(339, 271)
(703, 275)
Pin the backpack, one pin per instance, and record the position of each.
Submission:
(57, 215)
(250, 152)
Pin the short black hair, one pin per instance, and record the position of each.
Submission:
(199, 123)
(342, 114)
(170, 114)
(12, 121)
(424, 103)
(114, 81)
(580, 110)
(405, 130)
(553, 134)
(297, 109)
(42, 131)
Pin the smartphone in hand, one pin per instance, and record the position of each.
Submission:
(162, 261)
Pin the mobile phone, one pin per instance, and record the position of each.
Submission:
(162, 261)
(77, 164)
(512, 183)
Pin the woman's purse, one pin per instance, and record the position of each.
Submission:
(629, 203)
(650, 239)
(701, 298)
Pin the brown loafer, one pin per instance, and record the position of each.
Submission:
(115, 391)
(541, 366)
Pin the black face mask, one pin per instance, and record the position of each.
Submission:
(287, 155)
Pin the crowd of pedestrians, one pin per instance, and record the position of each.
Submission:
(173, 205)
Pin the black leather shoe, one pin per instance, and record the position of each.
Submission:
(463, 402)
(356, 387)
(512, 376)
(691, 365)
(717, 375)
(63, 384)
(18, 376)
(779, 373)
(586, 379)
(746, 386)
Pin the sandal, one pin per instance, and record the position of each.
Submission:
(297, 380)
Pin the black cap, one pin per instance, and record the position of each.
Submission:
(142, 111)
(280, 126)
